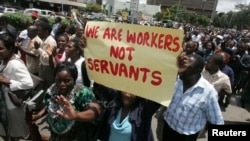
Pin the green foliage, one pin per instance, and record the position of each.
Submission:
(99, 2)
(239, 20)
(158, 16)
(203, 20)
(16, 18)
(93, 8)
(181, 14)
(64, 20)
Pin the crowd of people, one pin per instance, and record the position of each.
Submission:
(214, 65)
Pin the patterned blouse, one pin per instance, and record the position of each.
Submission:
(63, 129)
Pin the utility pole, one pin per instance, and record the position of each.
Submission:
(229, 23)
(203, 5)
(176, 14)
(62, 8)
(134, 4)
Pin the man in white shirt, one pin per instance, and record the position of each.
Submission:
(218, 79)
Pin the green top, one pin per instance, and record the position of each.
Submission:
(62, 129)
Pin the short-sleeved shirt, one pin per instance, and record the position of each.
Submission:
(44, 57)
(32, 63)
(219, 80)
(189, 111)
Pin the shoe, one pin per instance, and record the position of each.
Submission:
(221, 103)
(222, 108)
(226, 105)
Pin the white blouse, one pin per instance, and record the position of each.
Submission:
(20, 79)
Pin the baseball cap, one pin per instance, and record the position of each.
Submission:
(34, 14)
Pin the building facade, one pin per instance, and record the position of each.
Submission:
(204, 7)
(144, 9)
(54, 5)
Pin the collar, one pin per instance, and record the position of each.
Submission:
(217, 74)
(198, 85)
(134, 114)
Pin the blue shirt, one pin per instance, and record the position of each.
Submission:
(229, 72)
(120, 130)
(189, 112)
(205, 56)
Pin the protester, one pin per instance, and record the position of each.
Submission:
(127, 118)
(79, 32)
(46, 69)
(70, 30)
(245, 97)
(55, 26)
(32, 54)
(14, 76)
(225, 68)
(209, 50)
(219, 80)
(34, 16)
(7, 28)
(24, 24)
(58, 54)
(241, 65)
(193, 104)
(190, 47)
(61, 30)
(70, 106)
(74, 52)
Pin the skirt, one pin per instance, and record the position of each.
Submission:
(17, 125)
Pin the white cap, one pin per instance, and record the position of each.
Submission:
(220, 37)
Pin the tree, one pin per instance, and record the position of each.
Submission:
(93, 8)
(158, 16)
(239, 19)
(99, 2)
(203, 20)
(221, 20)
(181, 14)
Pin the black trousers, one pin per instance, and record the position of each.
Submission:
(170, 135)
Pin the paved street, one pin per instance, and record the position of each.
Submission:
(233, 114)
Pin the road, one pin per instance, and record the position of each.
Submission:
(233, 114)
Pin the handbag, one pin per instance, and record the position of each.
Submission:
(17, 97)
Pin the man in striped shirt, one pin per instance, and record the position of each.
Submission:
(194, 103)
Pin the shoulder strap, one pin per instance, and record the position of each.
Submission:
(7, 63)
(3, 68)
(85, 77)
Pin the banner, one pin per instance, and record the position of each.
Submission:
(133, 58)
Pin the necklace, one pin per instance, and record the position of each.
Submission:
(58, 124)
(53, 105)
